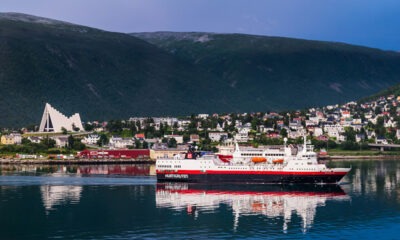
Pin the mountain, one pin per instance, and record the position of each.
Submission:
(284, 73)
(101, 75)
(106, 75)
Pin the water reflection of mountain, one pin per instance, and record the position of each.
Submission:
(246, 200)
(57, 195)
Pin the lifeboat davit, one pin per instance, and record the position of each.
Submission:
(258, 159)
(277, 161)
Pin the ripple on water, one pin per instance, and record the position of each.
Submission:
(73, 180)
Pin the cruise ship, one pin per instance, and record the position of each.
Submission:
(284, 165)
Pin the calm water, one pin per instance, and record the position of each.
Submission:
(124, 202)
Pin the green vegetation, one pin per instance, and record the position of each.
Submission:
(277, 73)
(393, 90)
(46, 146)
(105, 75)
(102, 75)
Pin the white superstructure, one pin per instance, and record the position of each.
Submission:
(286, 159)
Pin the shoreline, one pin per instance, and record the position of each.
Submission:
(76, 161)
(149, 161)
(359, 157)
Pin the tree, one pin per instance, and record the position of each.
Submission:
(378, 110)
(138, 144)
(186, 137)
(48, 142)
(25, 141)
(71, 142)
(138, 125)
(175, 126)
(284, 132)
(380, 129)
(88, 127)
(64, 130)
(172, 143)
(114, 126)
(350, 134)
(132, 128)
(75, 128)
(145, 145)
(103, 140)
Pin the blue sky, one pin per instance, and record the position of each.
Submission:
(374, 23)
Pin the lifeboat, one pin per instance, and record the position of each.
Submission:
(258, 159)
(277, 161)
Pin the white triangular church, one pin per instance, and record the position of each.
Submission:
(54, 121)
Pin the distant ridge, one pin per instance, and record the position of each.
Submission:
(284, 73)
(13, 16)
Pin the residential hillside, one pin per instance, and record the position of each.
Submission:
(284, 73)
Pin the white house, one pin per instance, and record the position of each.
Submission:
(91, 139)
(341, 138)
(381, 140)
(242, 135)
(318, 132)
(61, 141)
(118, 142)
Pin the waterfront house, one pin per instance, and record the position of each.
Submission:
(381, 140)
(61, 141)
(118, 142)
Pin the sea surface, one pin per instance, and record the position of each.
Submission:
(125, 202)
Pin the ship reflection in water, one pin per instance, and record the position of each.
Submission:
(246, 200)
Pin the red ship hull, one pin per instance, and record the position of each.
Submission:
(250, 177)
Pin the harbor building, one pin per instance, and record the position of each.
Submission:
(54, 121)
